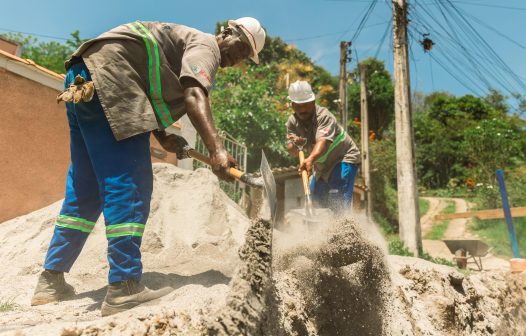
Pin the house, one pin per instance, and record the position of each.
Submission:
(34, 135)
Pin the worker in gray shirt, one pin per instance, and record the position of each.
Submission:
(135, 79)
(334, 157)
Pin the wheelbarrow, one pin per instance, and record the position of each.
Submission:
(467, 249)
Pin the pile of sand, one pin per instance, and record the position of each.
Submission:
(339, 281)
(231, 279)
(335, 282)
(191, 243)
(431, 299)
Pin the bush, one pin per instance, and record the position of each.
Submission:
(491, 145)
(397, 247)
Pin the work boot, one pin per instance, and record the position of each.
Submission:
(51, 287)
(127, 294)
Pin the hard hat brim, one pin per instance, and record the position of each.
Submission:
(254, 57)
(312, 97)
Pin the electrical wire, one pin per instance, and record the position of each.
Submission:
(492, 6)
(363, 14)
(382, 40)
(34, 34)
(463, 52)
(431, 72)
(364, 20)
(333, 33)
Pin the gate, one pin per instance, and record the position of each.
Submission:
(234, 190)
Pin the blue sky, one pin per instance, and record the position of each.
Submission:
(316, 27)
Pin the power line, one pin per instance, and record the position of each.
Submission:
(492, 6)
(387, 30)
(34, 34)
(366, 12)
(465, 51)
(329, 34)
(466, 44)
(364, 20)
(482, 23)
(503, 64)
(455, 67)
(432, 76)
(412, 56)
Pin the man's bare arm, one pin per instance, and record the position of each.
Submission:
(319, 149)
(198, 111)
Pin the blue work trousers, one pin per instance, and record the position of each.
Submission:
(108, 176)
(335, 194)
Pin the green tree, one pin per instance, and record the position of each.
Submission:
(380, 95)
(383, 179)
(497, 100)
(295, 64)
(493, 144)
(246, 105)
(50, 54)
(250, 100)
(439, 135)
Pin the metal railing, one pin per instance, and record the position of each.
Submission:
(238, 150)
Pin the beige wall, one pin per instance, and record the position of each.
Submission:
(34, 146)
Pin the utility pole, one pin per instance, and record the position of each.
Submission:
(408, 212)
(364, 112)
(344, 59)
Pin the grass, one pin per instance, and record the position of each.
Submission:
(7, 305)
(436, 260)
(494, 232)
(397, 247)
(460, 192)
(438, 229)
(439, 193)
(423, 205)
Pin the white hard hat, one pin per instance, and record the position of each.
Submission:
(254, 33)
(300, 92)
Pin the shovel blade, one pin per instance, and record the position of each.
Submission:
(269, 186)
(300, 219)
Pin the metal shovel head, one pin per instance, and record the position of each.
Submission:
(301, 218)
(269, 186)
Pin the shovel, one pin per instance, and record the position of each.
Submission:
(309, 210)
(266, 181)
(249, 179)
(306, 217)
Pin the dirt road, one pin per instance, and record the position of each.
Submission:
(457, 229)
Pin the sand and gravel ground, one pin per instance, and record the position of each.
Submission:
(229, 279)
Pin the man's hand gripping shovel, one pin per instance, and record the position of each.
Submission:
(265, 181)
(309, 209)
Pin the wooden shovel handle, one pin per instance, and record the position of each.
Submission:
(304, 174)
(235, 173)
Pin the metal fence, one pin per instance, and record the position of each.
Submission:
(234, 190)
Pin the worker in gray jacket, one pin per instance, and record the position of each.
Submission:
(333, 156)
(135, 79)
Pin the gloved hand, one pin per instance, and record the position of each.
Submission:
(79, 90)
(173, 143)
